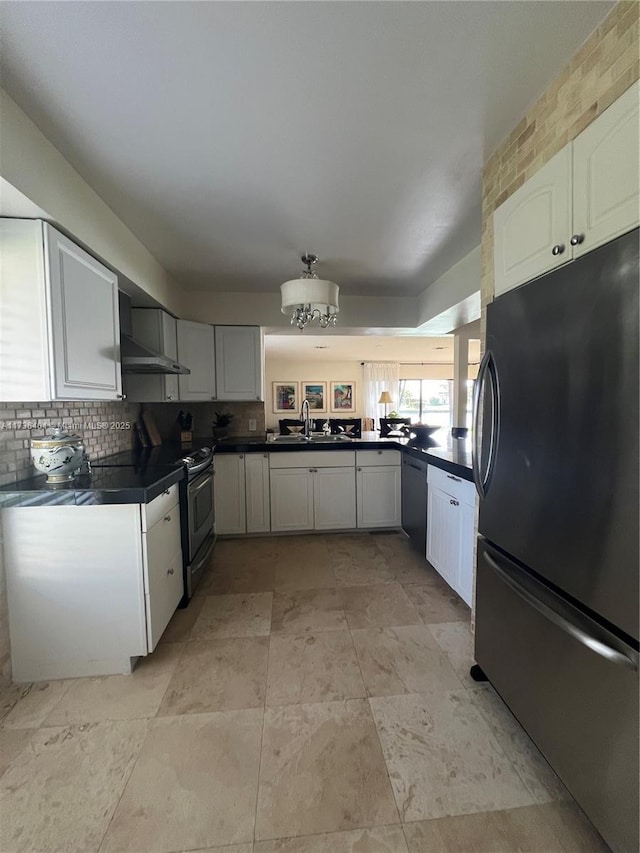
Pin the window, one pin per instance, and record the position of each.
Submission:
(430, 401)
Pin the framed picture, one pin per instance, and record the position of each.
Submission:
(316, 394)
(285, 397)
(343, 396)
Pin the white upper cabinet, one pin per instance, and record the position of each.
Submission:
(586, 195)
(196, 350)
(157, 330)
(606, 179)
(239, 363)
(531, 228)
(59, 322)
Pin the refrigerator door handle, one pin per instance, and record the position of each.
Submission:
(578, 632)
(487, 368)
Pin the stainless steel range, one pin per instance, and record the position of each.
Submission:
(197, 505)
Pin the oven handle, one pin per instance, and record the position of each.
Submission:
(200, 467)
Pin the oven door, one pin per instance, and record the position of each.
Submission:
(200, 498)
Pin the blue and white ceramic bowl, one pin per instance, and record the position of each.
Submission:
(58, 455)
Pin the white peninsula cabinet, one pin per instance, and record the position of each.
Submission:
(378, 488)
(90, 588)
(586, 195)
(313, 490)
(241, 493)
(59, 319)
(450, 529)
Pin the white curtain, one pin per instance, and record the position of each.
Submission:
(384, 376)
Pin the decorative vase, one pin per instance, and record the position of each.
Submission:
(220, 432)
(58, 455)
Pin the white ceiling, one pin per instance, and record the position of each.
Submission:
(233, 136)
(319, 348)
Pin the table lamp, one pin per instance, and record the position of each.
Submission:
(385, 398)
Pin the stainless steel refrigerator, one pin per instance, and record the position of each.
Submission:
(556, 467)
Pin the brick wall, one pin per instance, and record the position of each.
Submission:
(604, 67)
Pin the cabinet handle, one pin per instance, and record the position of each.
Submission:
(169, 396)
(577, 239)
(451, 477)
(170, 571)
(454, 502)
(121, 396)
(167, 492)
(558, 249)
(359, 469)
(379, 453)
(241, 456)
(257, 397)
(266, 455)
(167, 518)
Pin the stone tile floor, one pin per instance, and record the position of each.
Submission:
(313, 698)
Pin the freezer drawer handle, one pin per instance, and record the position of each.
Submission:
(582, 636)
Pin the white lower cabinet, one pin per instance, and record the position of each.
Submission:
(450, 529)
(334, 499)
(256, 474)
(90, 588)
(230, 516)
(241, 493)
(162, 563)
(313, 490)
(378, 488)
(291, 499)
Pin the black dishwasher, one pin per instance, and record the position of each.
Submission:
(414, 502)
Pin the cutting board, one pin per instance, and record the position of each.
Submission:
(151, 428)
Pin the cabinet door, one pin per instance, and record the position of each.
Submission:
(291, 499)
(164, 582)
(443, 534)
(257, 492)
(229, 494)
(378, 496)
(85, 324)
(606, 179)
(156, 329)
(533, 223)
(238, 363)
(334, 499)
(196, 350)
(466, 561)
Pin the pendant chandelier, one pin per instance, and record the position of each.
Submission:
(310, 298)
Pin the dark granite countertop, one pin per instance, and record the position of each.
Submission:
(138, 476)
(455, 457)
(105, 485)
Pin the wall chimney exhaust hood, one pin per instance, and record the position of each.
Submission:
(136, 357)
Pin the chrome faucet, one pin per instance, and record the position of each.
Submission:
(305, 415)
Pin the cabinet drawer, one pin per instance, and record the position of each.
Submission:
(313, 459)
(462, 490)
(159, 507)
(378, 457)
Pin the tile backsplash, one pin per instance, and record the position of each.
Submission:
(106, 428)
